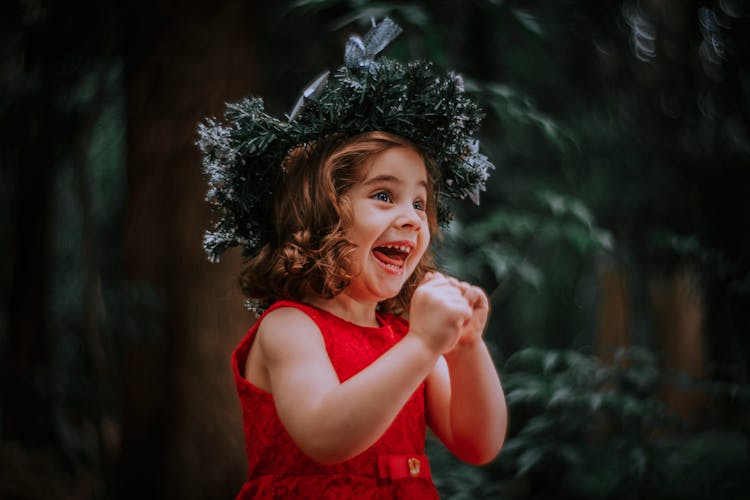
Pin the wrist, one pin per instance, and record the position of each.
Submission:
(421, 347)
(465, 348)
(424, 342)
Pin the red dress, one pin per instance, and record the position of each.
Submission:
(393, 467)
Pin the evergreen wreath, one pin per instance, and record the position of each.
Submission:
(243, 154)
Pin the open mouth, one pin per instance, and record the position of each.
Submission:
(393, 255)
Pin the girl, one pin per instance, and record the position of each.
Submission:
(336, 385)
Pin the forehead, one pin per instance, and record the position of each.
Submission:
(399, 162)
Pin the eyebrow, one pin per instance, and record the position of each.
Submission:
(388, 178)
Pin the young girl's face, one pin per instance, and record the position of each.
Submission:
(390, 225)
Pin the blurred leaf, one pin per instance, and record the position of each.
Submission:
(528, 21)
(549, 361)
(529, 459)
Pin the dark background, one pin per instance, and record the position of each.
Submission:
(613, 238)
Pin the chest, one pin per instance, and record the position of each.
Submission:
(351, 350)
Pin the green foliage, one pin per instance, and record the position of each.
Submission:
(499, 242)
(584, 429)
(583, 424)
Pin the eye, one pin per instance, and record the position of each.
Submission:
(382, 196)
(419, 205)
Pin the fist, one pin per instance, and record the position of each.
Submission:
(471, 330)
(440, 313)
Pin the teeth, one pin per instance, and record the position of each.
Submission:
(401, 248)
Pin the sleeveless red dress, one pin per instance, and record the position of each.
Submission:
(394, 467)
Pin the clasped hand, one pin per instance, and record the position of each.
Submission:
(447, 313)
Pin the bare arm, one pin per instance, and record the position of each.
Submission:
(465, 401)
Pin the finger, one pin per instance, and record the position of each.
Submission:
(456, 282)
(457, 295)
(441, 282)
(462, 313)
(464, 288)
(463, 308)
(474, 295)
(482, 300)
(447, 279)
(431, 276)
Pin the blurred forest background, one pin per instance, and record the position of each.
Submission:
(613, 238)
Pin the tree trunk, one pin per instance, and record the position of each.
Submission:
(677, 303)
(182, 433)
(26, 399)
(613, 311)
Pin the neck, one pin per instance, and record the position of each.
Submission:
(346, 307)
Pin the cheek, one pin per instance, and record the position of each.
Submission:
(424, 240)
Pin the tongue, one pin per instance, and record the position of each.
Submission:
(395, 259)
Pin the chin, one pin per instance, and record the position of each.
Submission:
(386, 294)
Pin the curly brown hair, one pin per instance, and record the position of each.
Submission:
(309, 252)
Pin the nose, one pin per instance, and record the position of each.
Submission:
(409, 218)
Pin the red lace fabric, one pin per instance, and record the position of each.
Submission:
(277, 468)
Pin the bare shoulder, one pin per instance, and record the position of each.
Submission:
(287, 330)
(285, 334)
